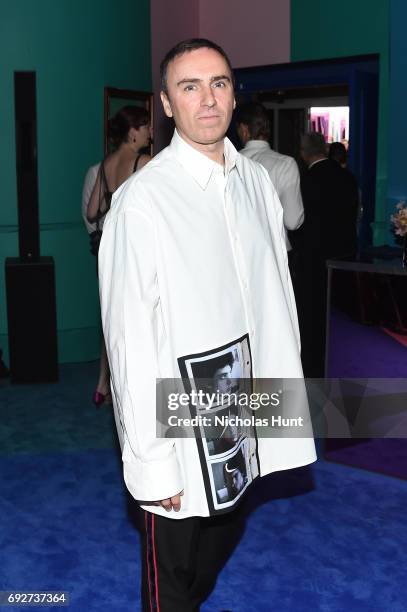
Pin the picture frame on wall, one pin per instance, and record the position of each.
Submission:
(115, 99)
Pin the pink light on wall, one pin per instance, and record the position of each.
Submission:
(252, 32)
(332, 122)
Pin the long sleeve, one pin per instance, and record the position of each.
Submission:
(290, 196)
(275, 214)
(129, 299)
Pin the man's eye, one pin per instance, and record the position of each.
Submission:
(189, 87)
(219, 84)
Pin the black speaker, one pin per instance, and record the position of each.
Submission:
(31, 314)
(26, 164)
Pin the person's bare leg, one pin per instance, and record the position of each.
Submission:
(103, 386)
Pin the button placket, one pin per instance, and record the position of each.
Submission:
(238, 254)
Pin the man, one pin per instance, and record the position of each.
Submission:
(338, 152)
(253, 128)
(216, 371)
(222, 378)
(330, 196)
(197, 216)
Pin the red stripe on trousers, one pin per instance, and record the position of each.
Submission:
(147, 560)
(155, 566)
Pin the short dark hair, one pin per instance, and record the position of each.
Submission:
(207, 369)
(337, 151)
(255, 116)
(313, 143)
(126, 118)
(186, 46)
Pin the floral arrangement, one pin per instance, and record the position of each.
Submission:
(399, 220)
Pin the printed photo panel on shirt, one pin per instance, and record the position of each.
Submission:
(228, 453)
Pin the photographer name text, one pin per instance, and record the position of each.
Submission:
(234, 421)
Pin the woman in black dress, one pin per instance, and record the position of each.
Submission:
(129, 133)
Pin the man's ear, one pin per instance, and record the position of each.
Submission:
(166, 104)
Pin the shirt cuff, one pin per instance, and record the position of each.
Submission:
(153, 480)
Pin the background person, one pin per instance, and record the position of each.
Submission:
(129, 132)
(253, 128)
(338, 152)
(331, 199)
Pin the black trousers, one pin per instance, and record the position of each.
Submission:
(181, 558)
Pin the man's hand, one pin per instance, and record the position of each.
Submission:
(171, 503)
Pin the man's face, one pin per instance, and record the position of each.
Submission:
(141, 135)
(237, 481)
(145, 134)
(222, 379)
(200, 96)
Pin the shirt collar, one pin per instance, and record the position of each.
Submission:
(198, 165)
(317, 162)
(256, 144)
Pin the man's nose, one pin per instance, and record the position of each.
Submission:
(208, 97)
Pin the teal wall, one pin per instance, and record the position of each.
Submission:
(76, 48)
(321, 30)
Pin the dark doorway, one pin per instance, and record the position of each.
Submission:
(290, 127)
(289, 88)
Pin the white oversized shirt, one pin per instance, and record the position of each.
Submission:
(193, 260)
(284, 175)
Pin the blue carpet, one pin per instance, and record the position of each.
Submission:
(66, 526)
(67, 529)
(363, 351)
(328, 539)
